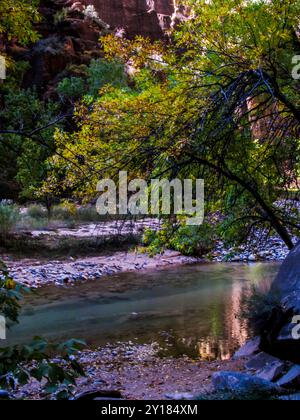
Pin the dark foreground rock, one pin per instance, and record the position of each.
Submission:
(281, 336)
(250, 348)
(291, 379)
(96, 395)
(242, 384)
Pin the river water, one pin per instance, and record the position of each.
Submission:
(193, 310)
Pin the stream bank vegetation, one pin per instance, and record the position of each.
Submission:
(20, 364)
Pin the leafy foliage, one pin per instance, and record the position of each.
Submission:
(18, 365)
(16, 20)
(9, 215)
(188, 240)
(226, 109)
(24, 112)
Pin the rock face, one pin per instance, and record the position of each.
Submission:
(70, 34)
(282, 336)
(149, 18)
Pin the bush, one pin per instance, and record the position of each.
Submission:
(257, 308)
(20, 365)
(87, 214)
(72, 88)
(60, 16)
(189, 240)
(61, 212)
(37, 211)
(103, 73)
(9, 215)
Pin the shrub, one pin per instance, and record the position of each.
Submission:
(257, 308)
(9, 215)
(19, 365)
(102, 72)
(36, 211)
(61, 212)
(61, 15)
(72, 88)
(189, 240)
(88, 214)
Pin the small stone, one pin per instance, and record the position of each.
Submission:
(4, 395)
(250, 348)
(291, 379)
(180, 396)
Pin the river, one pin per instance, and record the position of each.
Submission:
(193, 310)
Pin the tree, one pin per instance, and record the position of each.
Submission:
(17, 18)
(221, 103)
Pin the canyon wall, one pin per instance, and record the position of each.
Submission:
(69, 37)
(150, 18)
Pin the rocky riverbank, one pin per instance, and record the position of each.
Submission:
(35, 274)
(68, 271)
(136, 372)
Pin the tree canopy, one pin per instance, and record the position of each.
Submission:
(220, 102)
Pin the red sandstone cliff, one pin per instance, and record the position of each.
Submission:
(69, 37)
(150, 18)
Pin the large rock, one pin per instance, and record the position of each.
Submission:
(241, 383)
(250, 348)
(266, 367)
(260, 361)
(149, 18)
(278, 337)
(292, 397)
(291, 379)
(72, 39)
(287, 284)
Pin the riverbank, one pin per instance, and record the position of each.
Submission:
(131, 371)
(51, 263)
(34, 273)
(138, 373)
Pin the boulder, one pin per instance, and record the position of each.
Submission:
(291, 379)
(287, 284)
(98, 395)
(260, 361)
(292, 397)
(250, 348)
(266, 367)
(278, 337)
(272, 371)
(241, 383)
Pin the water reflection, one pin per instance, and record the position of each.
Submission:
(192, 310)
